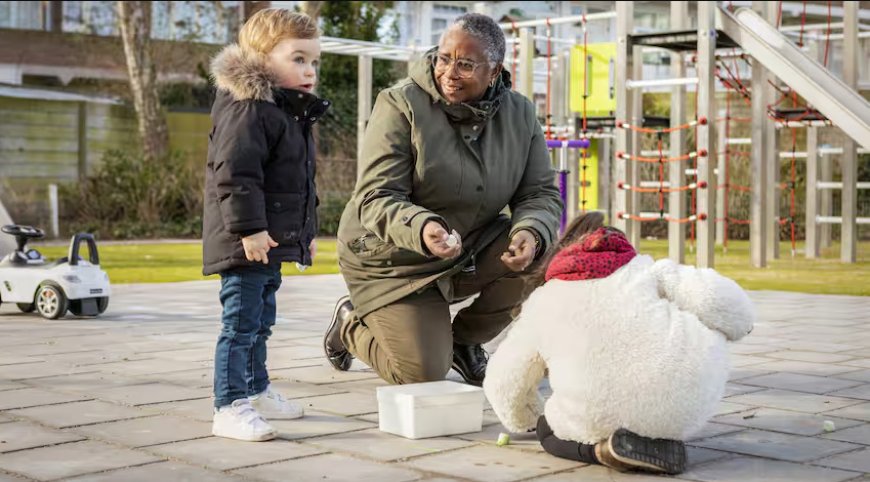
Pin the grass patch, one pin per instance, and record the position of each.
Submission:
(826, 275)
(166, 262)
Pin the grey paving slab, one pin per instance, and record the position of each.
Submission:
(491, 464)
(5, 477)
(201, 409)
(166, 471)
(726, 407)
(32, 397)
(141, 432)
(205, 353)
(857, 363)
(855, 434)
(751, 469)
(738, 374)
(346, 404)
(776, 445)
(796, 423)
(518, 441)
(150, 367)
(374, 444)
(8, 385)
(750, 349)
(150, 393)
(594, 473)
(857, 412)
(732, 389)
(697, 456)
(224, 454)
(156, 354)
(860, 375)
(862, 392)
(71, 459)
(739, 361)
(810, 356)
(820, 347)
(321, 374)
(79, 413)
(315, 424)
(294, 390)
(806, 368)
(713, 429)
(858, 461)
(83, 383)
(333, 468)
(798, 401)
(800, 383)
(22, 435)
(369, 385)
(197, 378)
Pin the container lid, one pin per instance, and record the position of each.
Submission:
(443, 392)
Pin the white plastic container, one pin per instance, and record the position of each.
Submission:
(433, 409)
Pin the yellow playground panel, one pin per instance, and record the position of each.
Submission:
(599, 64)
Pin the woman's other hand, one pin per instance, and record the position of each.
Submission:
(521, 251)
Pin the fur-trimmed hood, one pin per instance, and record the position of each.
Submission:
(244, 75)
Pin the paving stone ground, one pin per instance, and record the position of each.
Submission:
(127, 397)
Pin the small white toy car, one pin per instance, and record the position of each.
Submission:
(51, 288)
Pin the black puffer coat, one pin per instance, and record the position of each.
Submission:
(261, 165)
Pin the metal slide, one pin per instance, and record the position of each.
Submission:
(843, 106)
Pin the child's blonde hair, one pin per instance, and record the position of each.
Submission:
(269, 26)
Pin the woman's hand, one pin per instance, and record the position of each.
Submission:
(436, 239)
(312, 248)
(257, 245)
(521, 251)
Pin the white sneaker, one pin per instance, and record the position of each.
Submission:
(241, 421)
(274, 406)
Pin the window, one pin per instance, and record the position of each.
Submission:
(440, 8)
(6, 15)
(22, 15)
(196, 21)
(439, 25)
(97, 18)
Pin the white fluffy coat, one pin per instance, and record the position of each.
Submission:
(643, 349)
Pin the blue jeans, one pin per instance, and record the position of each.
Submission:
(248, 299)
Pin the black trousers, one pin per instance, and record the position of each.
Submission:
(565, 449)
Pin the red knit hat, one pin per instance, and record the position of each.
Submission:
(597, 255)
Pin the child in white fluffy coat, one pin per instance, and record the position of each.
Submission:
(635, 351)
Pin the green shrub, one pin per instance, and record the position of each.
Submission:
(128, 197)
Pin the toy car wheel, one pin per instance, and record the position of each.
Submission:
(51, 302)
(102, 304)
(26, 307)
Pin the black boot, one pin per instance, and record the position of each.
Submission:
(470, 361)
(334, 348)
(626, 450)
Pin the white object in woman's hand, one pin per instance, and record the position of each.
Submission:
(439, 243)
(452, 240)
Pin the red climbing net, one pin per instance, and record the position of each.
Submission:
(661, 159)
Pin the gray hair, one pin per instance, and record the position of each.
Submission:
(487, 32)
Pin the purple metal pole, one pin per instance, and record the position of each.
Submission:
(563, 193)
(572, 144)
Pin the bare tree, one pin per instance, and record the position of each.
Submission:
(135, 25)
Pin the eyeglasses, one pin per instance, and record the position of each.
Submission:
(464, 68)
